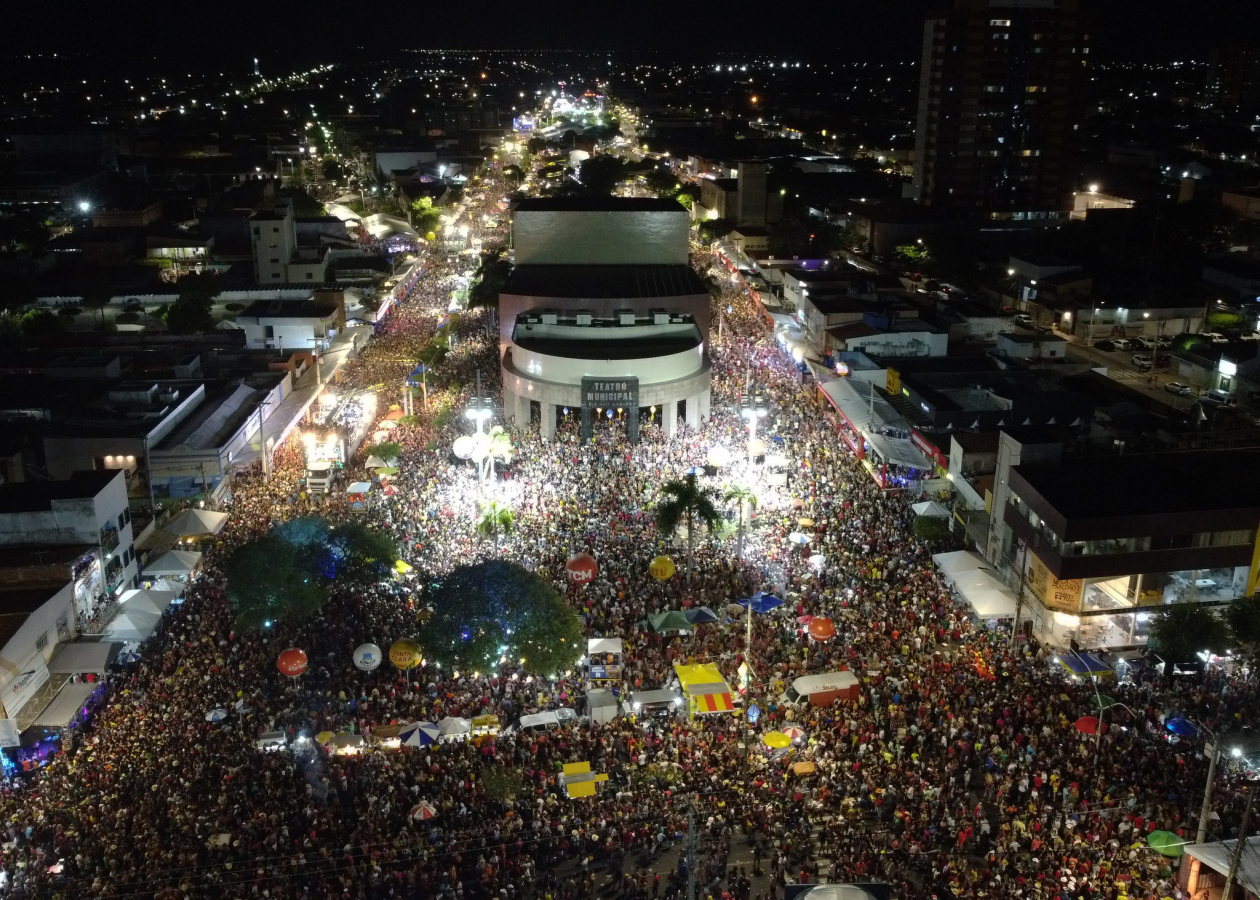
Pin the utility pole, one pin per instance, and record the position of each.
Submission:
(1019, 595)
(1206, 809)
(691, 850)
(1238, 848)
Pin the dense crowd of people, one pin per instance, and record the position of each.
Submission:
(958, 770)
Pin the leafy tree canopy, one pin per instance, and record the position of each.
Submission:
(599, 174)
(1182, 630)
(479, 610)
(270, 581)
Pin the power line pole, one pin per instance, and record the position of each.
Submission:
(1205, 811)
(1019, 595)
(691, 851)
(1238, 848)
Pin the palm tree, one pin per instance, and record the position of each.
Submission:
(684, 500)
(742, 497)
(495, 520)
(498, 449)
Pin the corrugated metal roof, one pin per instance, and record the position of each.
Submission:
(604, 282)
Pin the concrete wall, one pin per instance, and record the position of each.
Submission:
(22, 653)
(896, 343)
(600, 238)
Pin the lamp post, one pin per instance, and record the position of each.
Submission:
(753, 408)
(480, 407)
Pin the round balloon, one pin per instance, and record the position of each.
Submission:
(719, 456)
(405, 654)
(463, 446)
(292, 662)
(582, 568)
(367, 657)
(822, 629)
(662, 568)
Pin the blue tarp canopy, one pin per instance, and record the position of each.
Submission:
(761, 603)
(1084, 664)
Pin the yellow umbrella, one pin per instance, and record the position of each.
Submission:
(324, 737)
(776, 740)
(402, 566)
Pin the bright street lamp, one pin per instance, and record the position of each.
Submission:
(753, 408)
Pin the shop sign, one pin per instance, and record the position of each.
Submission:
(22, 688)
(1059, 594)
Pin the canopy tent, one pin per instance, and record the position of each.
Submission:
(958, 561)
(899, 452)
(761, 603)
(63, 708)
(1079, 663)
(604, 645)
(853, 399)
(930, 508)
(1219, 855)
(133, 626)
(78, 659)
(171, 587)
(151, 601)
(700, 615)
(196, 523)
(173, 563)
(706, 690)
(987, 595)
(674, 620)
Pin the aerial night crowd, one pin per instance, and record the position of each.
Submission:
(958, 772)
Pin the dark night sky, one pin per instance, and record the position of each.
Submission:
(223, 31)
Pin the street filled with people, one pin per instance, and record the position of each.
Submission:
(958, 770)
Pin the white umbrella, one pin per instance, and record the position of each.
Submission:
(797, 537)
(375, 462)
(195, 523)
(453, 725)
(216, 715)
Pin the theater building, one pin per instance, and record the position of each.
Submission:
(602, 318)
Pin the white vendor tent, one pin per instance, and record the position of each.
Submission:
(975, 583)
(604, 645)
(602, 706)
(151, 601)
(173, 563)
(931, 509)
(134, 626)
(196, 523)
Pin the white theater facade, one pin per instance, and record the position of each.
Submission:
(602, 318)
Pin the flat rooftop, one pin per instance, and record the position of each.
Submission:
(1149, 484)
(598, 204)
(288, 309)
(38, 496)
(604, 282)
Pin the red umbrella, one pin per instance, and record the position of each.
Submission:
(292, 662)
(822, 629)
(1089, 725)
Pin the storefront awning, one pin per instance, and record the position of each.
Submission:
(65, 706)
(711, 698)
(79, 659)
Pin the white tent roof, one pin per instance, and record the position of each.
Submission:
(975, 583)
(604, 645)
(930, 508)
(75, 659)
(134, 626)
(152, 601)
(196, 522)
(359, 487)
(173, 562)
(454, 725)
(853, 399)
(601, 698)
(959, 561)
(835, 892)
(61, 711)
(1219, 856)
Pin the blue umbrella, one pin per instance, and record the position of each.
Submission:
(419, 734)
(776, 439)
(1181, 727)
(761, 603)
(701, 615)
(695, 470)
(216, 715)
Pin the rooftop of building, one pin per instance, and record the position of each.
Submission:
(598, 204)
(22, 556)
(819, 276)
(288, 309)
(977, 442)
(38, 496)
(1019, 337)
(1092, 486)
(604, 282)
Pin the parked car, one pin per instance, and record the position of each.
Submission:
(1181, 390)
(1215, 337)
(1107, 346)
(1146, 343)
(1126, 344)
(1217, 398)
(1163, 343)
(1143, 361)
(1024, 320)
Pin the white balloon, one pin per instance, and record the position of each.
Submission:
(367, 657)
(463, 446)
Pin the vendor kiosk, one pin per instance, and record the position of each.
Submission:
(705, 689)
(603, 667)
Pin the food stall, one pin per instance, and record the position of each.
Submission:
(706, 690)
(359, 495)
(603, 657)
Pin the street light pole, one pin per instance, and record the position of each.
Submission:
(1206, 809)
(1238, 848)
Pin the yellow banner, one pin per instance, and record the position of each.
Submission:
(1059, 594)
(893, 384)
